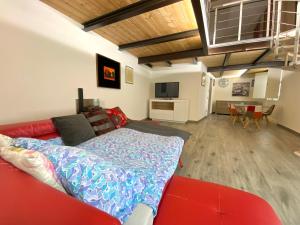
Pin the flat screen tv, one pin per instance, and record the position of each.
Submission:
(167, 90)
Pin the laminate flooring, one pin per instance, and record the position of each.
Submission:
(261, 162)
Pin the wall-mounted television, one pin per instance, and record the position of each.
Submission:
(167, 90)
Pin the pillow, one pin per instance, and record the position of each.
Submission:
(5, 141)
(74, 129)
(117, 112)
(33, 163)
(100, 121)
(116, 121)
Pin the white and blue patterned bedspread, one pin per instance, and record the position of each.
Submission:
(116, 171)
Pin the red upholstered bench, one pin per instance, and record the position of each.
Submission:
(26, 201)
(193, 202)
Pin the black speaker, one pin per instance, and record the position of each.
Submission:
(80, 100)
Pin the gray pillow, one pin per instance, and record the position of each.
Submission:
(74, 129)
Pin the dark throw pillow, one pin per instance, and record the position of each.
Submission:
(100, 121)
(73, 129)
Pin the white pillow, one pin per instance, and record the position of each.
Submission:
(34, 163)
(5, 141)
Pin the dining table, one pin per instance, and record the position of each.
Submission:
(244, 115)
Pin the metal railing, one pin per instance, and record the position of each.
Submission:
(286, 30)
(248, 21)
(241, 21)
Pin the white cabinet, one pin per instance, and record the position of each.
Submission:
(169, 110)
(181, 110)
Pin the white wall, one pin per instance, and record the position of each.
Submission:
(287, 111)
(274, 77)
(189, 77)
(226, 93)
(45, 57)
(260, 86)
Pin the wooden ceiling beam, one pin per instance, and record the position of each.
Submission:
(256, 61)
(246, 66)
(149, 65)
(172, 56)
(162, 39)
(225, 62)
(126, 12)
(200, 22)
(265, 53)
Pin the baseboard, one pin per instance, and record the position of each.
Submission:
(197, 121)
(288, 129)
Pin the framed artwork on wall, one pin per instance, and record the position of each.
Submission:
(203, 79)
(241, 89)
(129, 76)
(108, 72)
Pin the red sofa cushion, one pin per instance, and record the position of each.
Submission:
(43, 129)
(27, 201)
(121, 119)
(193, 202)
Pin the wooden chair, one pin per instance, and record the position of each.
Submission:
(253, 113)
(268, 112)
(235, 114)
(229, 110)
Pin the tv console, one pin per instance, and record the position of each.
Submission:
(175, 110)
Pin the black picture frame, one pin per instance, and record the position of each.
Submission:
(108, 72)
(241, 89)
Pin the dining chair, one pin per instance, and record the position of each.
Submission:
(235, 114)
(229, 109)
(268, 112)
(254, 113)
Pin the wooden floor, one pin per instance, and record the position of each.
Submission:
(258, 161)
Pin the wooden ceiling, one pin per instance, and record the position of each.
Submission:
(168, 47)
(171, 19)
(165, 23)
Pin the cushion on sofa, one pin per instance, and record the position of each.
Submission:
(100, 121)
(194, 202)
(74, 129)
(5, 141)
(117, 116)
(33, 163)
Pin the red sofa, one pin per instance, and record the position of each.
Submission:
(26, 201)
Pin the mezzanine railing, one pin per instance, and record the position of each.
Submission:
(240, 21)
(248, 21)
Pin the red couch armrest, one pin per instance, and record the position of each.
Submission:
(25, 200)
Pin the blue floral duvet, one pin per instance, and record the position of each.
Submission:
(116, 171)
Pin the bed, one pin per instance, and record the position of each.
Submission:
(116, 171)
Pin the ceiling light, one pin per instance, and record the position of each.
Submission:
(235, 73)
